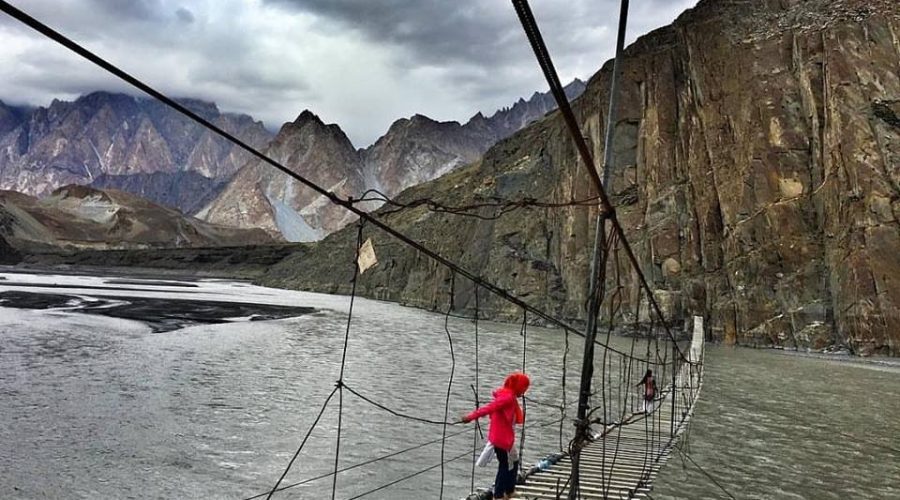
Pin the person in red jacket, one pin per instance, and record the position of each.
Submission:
(504, 412)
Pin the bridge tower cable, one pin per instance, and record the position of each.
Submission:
(529, 25)
(597, 276)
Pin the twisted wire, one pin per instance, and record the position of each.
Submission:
(340, 382)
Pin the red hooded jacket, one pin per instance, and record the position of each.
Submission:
(504, 411)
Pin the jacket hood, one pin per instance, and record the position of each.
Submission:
(517, 382)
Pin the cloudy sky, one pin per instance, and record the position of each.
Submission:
(359, 63)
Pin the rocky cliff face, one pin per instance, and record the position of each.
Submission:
(758, 146)
(413, 151)
(80, 217)
(116, 137)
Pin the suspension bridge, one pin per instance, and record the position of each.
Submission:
(622, 458)
(619, 444)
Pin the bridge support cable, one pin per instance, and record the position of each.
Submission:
(340, 382)
(526, 17)
(450, 381)
(597, 276)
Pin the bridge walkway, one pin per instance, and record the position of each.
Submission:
(625, 457)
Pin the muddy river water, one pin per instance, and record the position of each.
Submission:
(129, 388)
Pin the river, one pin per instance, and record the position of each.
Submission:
(130, 388)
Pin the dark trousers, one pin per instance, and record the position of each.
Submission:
(506, 478)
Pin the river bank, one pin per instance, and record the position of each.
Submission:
(243, 262)
(187, 265)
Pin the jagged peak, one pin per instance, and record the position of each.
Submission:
(99, 97)
(306, 116)
(416, 119)
(308, 123)
(420, 118)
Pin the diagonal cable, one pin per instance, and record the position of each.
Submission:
(543, 56)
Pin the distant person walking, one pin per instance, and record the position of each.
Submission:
(504, 412)
(649, 384)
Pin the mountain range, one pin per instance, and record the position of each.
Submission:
(136, 145)
(413, 150)
(118, 141)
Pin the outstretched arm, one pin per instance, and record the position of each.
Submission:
(495, 405)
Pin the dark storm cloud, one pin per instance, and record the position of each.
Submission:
(480, 44)
(480, 31)
(360, 63)
(437, 32)
(185, 15)
(33, 74)
(142, 10)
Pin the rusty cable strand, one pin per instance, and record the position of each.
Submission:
(503, 206)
